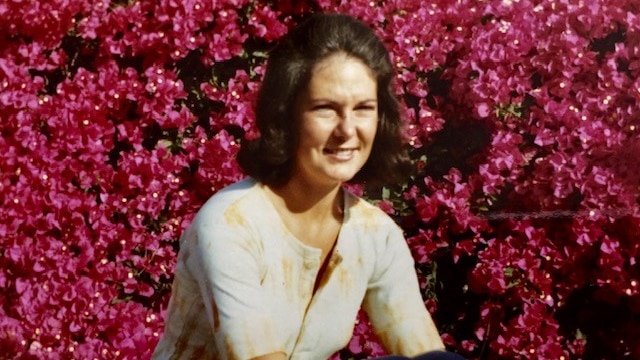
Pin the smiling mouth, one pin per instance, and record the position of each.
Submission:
(340, 153)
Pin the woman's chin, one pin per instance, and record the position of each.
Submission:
(341, 178)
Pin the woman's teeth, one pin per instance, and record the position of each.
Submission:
(340, 153)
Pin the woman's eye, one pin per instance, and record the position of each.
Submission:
(366, 108)
(322, 109)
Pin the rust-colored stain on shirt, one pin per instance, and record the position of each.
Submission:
(287, 277)
(177, 300)
(344, 278)
(247, 245)
(233, 216)
(216, 315)
(390, 313)
(199, 353)
(406, 343)
(182, 344)
(334, 261)
(231, 351)
(370, 216)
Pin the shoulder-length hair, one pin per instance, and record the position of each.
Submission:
(271, 157)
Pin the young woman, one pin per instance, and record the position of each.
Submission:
(277, 266)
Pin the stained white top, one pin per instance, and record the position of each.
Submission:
(244, 284)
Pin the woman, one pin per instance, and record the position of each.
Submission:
(277, 266)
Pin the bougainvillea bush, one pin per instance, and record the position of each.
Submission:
(120, 118)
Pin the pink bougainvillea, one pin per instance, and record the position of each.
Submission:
(118, 119)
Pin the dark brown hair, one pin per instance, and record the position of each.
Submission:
(270, 158)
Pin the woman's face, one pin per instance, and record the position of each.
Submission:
(338, 118)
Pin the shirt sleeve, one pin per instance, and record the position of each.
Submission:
(394, 304)
(226, 260)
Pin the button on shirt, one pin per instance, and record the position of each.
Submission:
(244, 285)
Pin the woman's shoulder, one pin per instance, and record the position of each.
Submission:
(361, 211)
(237, 199)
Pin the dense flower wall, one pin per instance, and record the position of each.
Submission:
(118, 119)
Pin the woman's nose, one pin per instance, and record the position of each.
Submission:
(346, 127)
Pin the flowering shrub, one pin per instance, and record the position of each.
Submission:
(120, 118)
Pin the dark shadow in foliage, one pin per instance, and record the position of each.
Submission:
(130, 61)
(461, 140)
(457, 306)
(438, 86)
(51, 79)
(610, 329)
(607, 320)
(81, 53)
(297, 9)
(192, 72)
(607, 44)
(154, 133)
(458, 145)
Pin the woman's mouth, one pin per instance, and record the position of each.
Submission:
(340, 153)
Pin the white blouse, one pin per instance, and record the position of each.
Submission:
(244, 284)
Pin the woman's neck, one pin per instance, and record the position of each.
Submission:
(307, 200)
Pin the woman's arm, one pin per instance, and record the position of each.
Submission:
(226, 259)
(394, 303)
